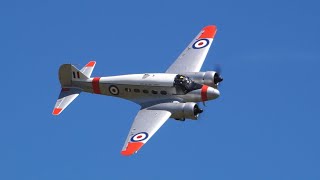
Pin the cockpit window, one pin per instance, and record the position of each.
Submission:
(184, 84)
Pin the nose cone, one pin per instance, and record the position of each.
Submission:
(213, 93)
(208, 93)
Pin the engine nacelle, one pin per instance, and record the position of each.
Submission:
(180, 111)
(208, 78)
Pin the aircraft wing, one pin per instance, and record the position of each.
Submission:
(145, 124)
(192, 58)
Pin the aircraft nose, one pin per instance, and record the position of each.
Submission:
(213, 93)
(208, 93)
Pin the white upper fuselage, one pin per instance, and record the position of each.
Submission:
(144, 88)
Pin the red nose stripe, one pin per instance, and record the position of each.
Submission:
(95, 85)
(204, 90)
(208, 32)
(132, 148)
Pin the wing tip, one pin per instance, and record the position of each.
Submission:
(56, 111)
(208, 32)
(132, 148)
(125, 153)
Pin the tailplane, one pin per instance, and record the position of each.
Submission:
(88, 68)
(66, 96)
(68, 73)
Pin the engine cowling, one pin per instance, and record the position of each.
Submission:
(209, 78)
(180, 111)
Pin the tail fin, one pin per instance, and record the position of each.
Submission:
(67, 74)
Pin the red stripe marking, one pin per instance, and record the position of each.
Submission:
(56, 111)
(208, 32)
(132, 148)
(91, 64)
(204, 90)
(96, 85)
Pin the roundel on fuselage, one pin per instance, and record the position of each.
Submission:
(114, 90)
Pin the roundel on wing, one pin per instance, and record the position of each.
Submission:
(201, 43)
(139, 137)
(114, 90)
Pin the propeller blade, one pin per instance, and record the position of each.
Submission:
(218, 68)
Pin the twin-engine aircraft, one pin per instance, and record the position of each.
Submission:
(173, 94)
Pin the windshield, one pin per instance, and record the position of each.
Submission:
(184, 84)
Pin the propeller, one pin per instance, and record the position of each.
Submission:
(217, 77)
(218, 68)
(202, 115)
(197, 110)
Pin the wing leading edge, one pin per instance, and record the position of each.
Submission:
(144, 126)
(192, 58)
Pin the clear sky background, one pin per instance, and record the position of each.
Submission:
(264, 126)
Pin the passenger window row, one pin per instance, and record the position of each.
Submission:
(146, 91)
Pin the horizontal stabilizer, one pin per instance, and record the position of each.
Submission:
(66, 96)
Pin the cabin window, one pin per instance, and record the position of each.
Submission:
(136, 90)
(163, 92)
(74, 74)
(154, 92)
(127, 89)
(145, 91)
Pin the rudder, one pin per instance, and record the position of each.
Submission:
(69, 73)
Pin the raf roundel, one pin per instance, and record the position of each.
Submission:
(139, 137)
(201, 43)
(114, 90)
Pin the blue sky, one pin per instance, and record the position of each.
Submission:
(265, 125)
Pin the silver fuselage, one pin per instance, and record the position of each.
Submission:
(144, 88)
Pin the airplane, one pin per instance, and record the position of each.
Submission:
(173, 94)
